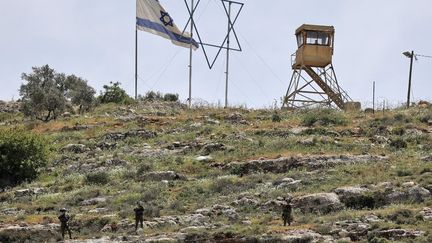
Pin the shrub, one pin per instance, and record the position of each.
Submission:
(276, 117)
(113, 93)
(398, 143)
(21, 155)
(171, 97)
(100, 178)
(324, 117)
(151, 96)
(402, 216)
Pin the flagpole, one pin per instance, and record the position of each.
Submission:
(190, 54)
(136, 61)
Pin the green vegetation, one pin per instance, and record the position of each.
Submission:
(113, 93)
(44, 96)
(21, 155)
(102, 164)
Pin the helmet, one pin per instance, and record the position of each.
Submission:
(63, 210)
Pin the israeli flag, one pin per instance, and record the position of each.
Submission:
(152, 17)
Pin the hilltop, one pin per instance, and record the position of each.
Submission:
(221, 175)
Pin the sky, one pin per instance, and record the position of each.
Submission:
(96, 41)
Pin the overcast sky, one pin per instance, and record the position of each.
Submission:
(95, 40)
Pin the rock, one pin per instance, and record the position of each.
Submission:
(236, 118)
(294, 236)
(194, 220)
(371, 218)
(162, 175)
(318, 203)
(377, 139)
(67, 115)
(12, 211)
(413, 194)
(398, 234)
(427, 158)
(426, 213)
(308, 141)
(245, 201)
(217, 210)
(98, 210)
(204, 158)
(75, 148)
(37, 233)
(288, 183)
(285, 164)
(354, 229)
(348, 195)
(29, 192)
(212, 147)
(409, 184)
(212, 121)
(93, 201)
(23, 192)
(135, 133)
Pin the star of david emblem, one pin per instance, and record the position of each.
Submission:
(231, 30)
(166, 19)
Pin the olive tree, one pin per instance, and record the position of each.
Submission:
(80, 93)
(43, 95)
(46, 93)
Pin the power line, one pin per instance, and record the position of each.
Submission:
(426, 56)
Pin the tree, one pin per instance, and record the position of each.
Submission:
(113, 93)
(21, 155)
(80, 93)
(43, 95)
(46, 93)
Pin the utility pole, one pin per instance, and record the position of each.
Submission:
(373, 99)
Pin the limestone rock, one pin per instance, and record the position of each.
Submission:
(318, 203)
(93, 201)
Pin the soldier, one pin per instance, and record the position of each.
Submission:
(64, 223)
(287, 213)
(139, 216)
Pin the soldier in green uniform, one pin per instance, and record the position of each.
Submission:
(64, 223)
(287, 213)
(139, 216)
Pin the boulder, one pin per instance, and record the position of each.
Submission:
(348, 195)
(318, 203)
(75, 148)
(426, 213)
(212, 147)
(205, 159)
(412, 194)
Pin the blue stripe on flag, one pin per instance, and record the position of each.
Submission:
(158, 27)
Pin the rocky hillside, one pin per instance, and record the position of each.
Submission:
(213, 175)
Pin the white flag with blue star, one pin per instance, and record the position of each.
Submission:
(152, 17)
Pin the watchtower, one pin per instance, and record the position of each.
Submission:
(313, 82)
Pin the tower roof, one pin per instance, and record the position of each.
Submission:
(321, 28)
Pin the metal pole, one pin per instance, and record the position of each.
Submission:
(409, 81)
(136, 62)
(190, 54)
(227, 57)
(373, 99)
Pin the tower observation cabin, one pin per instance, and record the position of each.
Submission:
(313, 82)
(315, 46)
